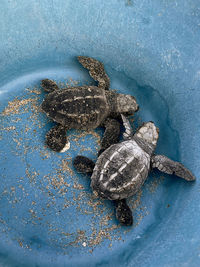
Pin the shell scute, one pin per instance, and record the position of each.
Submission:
(121, 170)
(81, 108)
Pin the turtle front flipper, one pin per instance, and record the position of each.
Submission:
(83, 164)
(123, 212)
(111, 134)
(96, 70)
(56, 139)
(128, 133)
(49, 85)
(166, 165)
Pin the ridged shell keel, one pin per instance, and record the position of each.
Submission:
(120, 171)
(80, 108)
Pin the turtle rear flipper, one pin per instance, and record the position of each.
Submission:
(83, 164)
(169, 166)
(49, 85)
(123, 212)
(56, 139)
(96, 70)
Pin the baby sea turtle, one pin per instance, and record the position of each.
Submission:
(85, 107)
(122, 169)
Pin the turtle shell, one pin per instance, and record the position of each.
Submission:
(82, 107)
(120, 171)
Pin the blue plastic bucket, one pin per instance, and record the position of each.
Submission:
(48, 215)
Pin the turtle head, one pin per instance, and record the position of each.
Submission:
(149, 133)
(126, 104)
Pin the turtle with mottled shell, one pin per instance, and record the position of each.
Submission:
(122, 169)
(85, 107)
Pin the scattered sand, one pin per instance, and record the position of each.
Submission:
(55, 184)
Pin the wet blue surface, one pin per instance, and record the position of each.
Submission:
(48, 215)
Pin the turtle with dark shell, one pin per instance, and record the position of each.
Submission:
(122, 169)
(85, 107)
